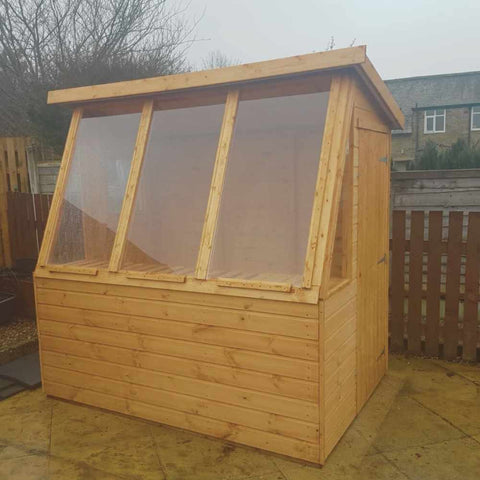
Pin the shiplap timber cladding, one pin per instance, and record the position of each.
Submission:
(276, 350)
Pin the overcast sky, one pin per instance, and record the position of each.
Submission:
(403, 37)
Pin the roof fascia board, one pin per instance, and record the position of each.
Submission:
(251, 71)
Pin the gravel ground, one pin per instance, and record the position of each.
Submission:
(17, 338)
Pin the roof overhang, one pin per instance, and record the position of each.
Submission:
(353, 58)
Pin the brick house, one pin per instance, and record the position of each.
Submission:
(440, 108)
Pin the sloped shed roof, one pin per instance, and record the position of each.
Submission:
(354, 58)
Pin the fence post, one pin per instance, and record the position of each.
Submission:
(6, 247)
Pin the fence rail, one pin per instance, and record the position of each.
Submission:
(23, 217)
(434, 291)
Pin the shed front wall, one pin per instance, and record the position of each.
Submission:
(239, 369)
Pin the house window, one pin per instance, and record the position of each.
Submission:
(476, 118)
(434, 121)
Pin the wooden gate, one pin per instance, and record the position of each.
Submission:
(435, 266)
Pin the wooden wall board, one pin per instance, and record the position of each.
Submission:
(95, 343)
(212, 427)
(245, 305)
(339, 364)
(191, 284)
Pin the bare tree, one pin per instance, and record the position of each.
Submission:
(330, 44)
(47, 44)
(217, 59)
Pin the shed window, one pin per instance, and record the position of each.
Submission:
(167, 219)
(94, 193)
(266, 208)
(435, 121)
(476, 118)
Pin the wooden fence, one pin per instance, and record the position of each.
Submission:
(13, 164)
(22, 222)
(434, 291)
(436, 189)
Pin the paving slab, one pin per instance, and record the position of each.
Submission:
(470, 371)
(410, 424)
(453, 460)
(24, 425)
(115, 444)
(188, 456)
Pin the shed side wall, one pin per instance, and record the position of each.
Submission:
(246, 372)
(372, 142)
(340, 326)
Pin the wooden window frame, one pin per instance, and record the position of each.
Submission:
(323, 215)
(53, 222)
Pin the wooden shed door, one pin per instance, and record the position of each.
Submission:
(372, 302)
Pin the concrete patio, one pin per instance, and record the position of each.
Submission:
(422, 423)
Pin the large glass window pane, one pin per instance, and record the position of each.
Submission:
(429, 125)
(95, 189)
(440, 123)
(264, 221)
(169, 212)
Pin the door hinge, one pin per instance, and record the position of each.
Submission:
(382, 260)
(383, 159)
(382, 353)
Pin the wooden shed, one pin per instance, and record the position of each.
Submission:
(216, 256)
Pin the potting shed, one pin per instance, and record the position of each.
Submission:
(216, 255)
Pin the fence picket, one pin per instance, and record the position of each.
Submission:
(472, 272)
(432, 327)
(452, 293)
(414, 316)
(397, 288)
